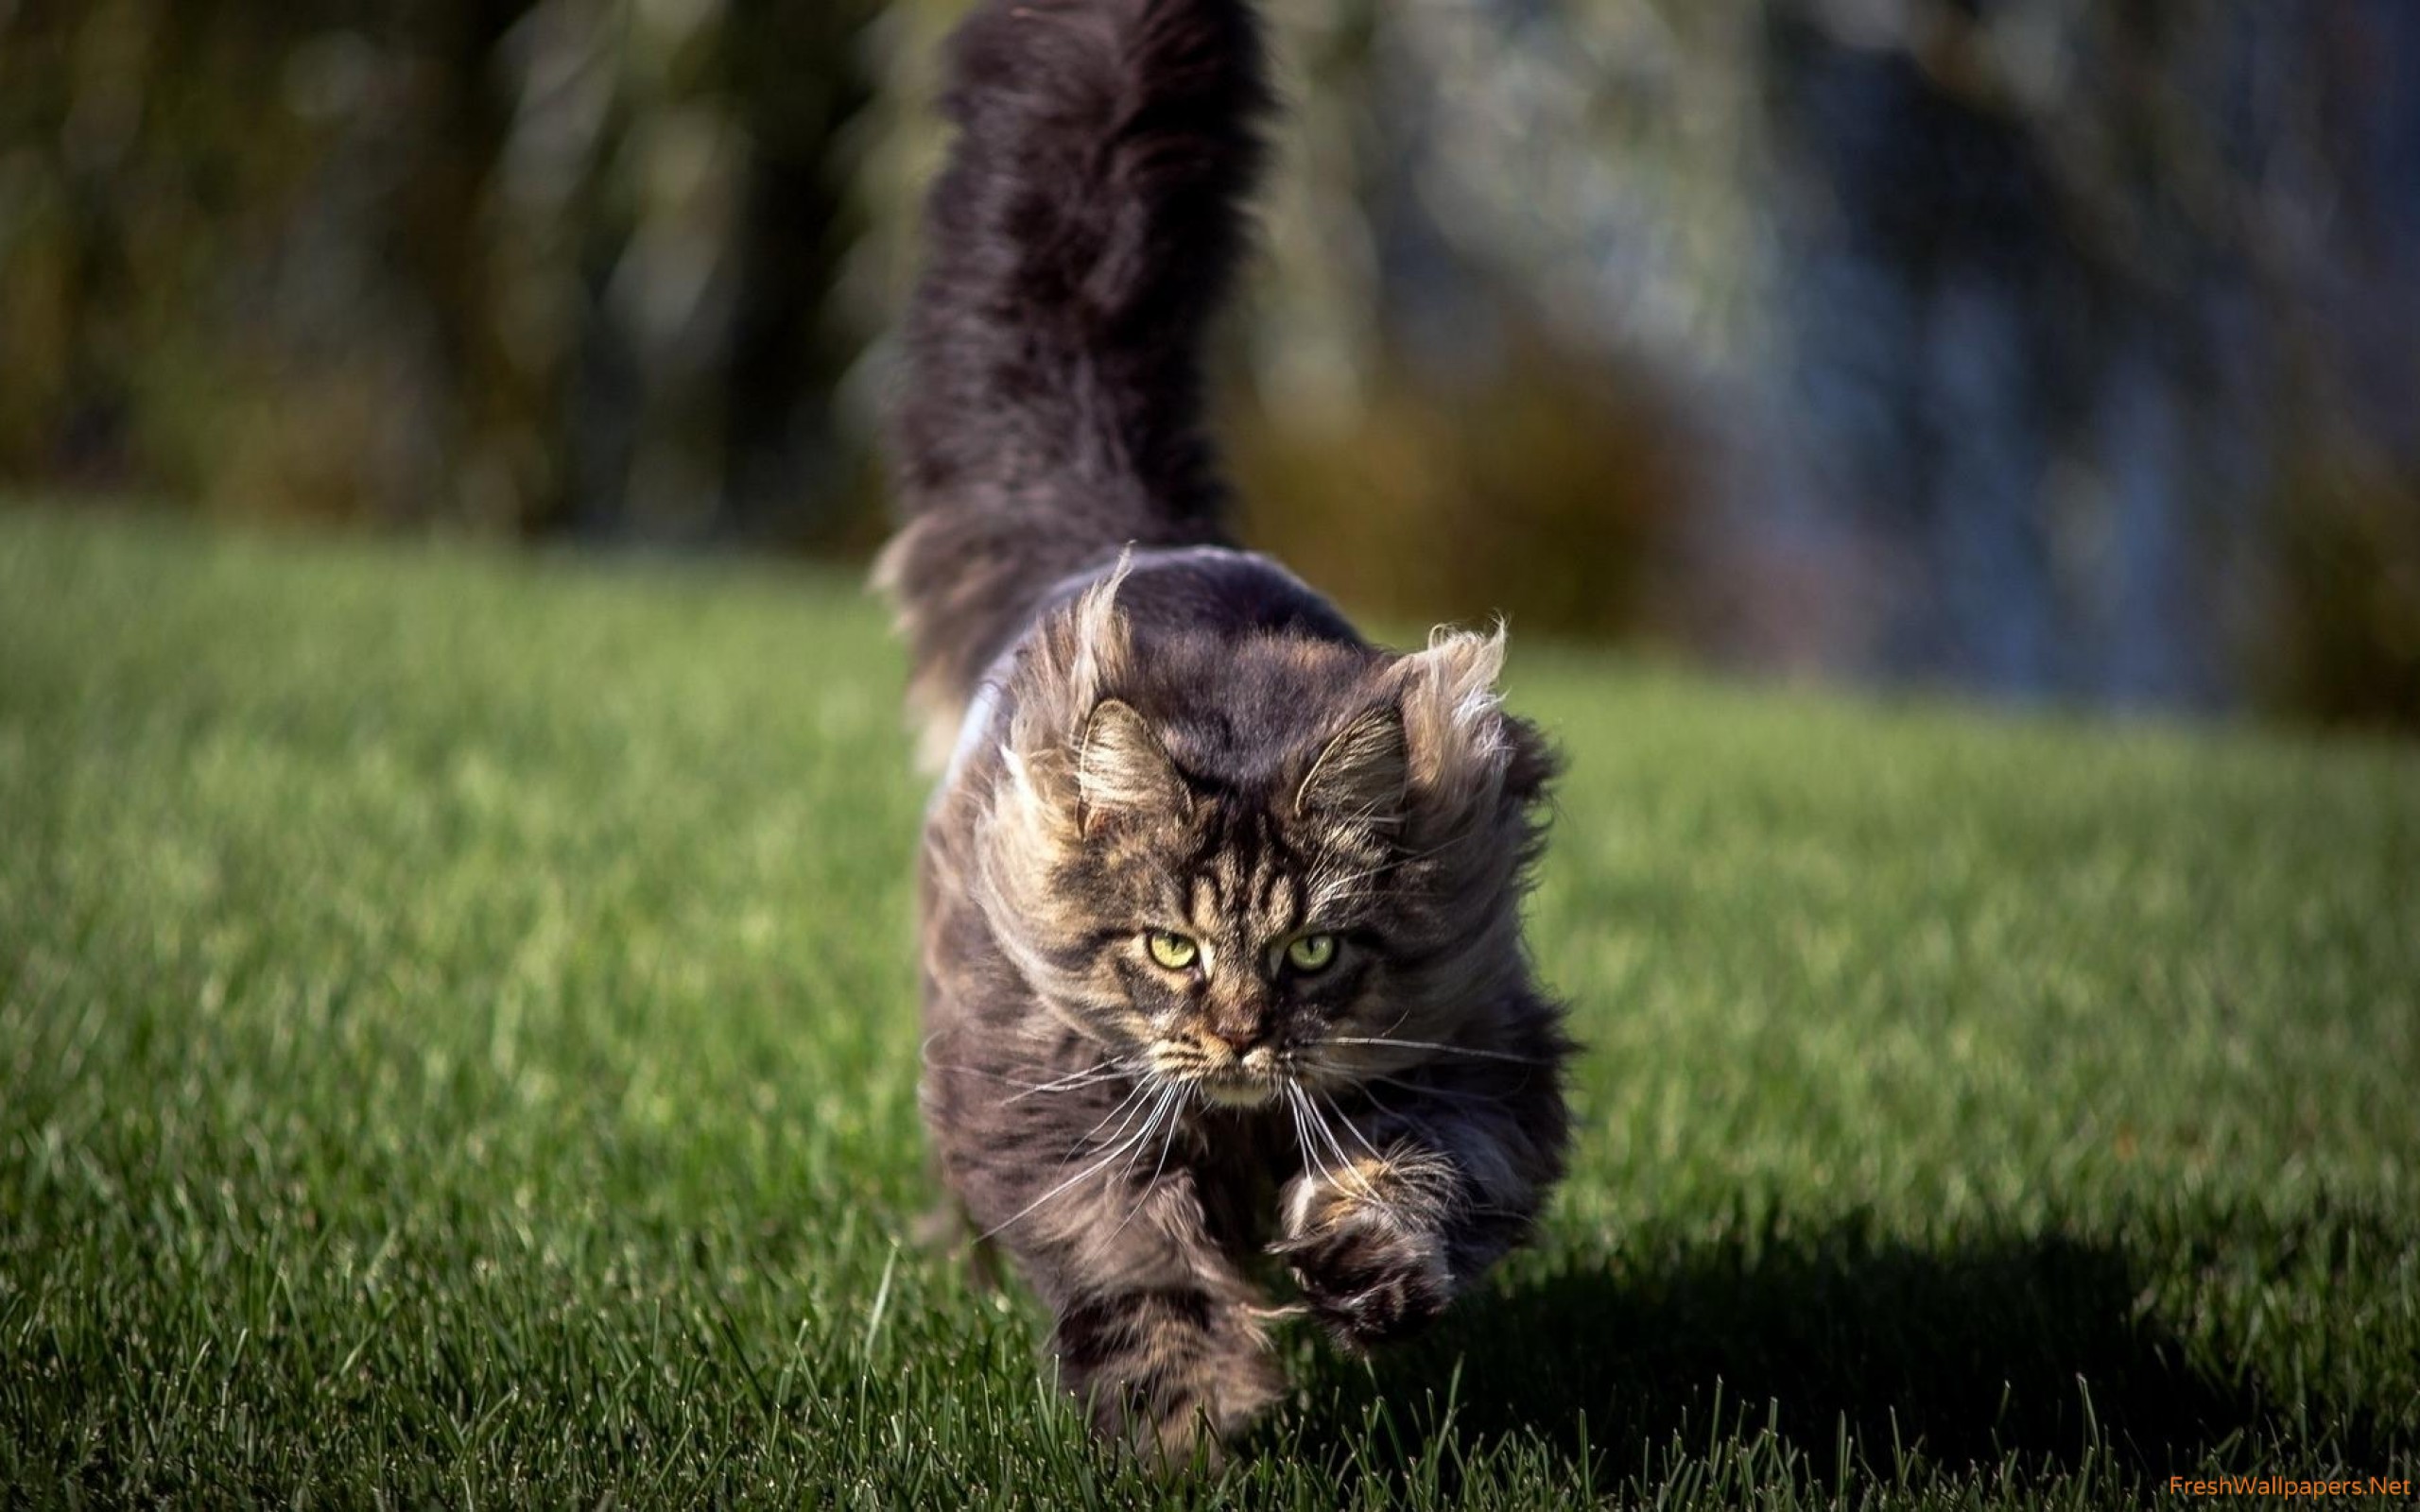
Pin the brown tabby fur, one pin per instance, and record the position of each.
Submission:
(1148, 729)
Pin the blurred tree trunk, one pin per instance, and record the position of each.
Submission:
(490, 407)
(790, 474)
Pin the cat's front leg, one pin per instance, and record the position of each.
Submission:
(1157, 1328)
(1368, 1241)
(1414, 1203)
(1171, 1370)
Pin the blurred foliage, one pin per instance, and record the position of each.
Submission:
(517, 268)
(2055, 348)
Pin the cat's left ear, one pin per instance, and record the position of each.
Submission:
(1363, 774)
(1451, 704)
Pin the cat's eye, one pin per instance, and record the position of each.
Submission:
(1172, 951)
(1310, 952)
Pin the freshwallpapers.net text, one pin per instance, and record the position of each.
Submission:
(2287, 1485)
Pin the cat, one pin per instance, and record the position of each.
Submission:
(1222, 971)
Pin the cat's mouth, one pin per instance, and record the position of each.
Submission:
(1236, 1088)
(1254, 1080)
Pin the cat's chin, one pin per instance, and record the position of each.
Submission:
(1237, 1092)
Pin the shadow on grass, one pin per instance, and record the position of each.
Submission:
(2033, 1348)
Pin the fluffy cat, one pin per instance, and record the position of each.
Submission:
(1221, 958)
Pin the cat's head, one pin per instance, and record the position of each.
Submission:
(1245, 864)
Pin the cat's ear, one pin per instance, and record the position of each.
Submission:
(1452, 712)
(1122, 768)
(1363, 773)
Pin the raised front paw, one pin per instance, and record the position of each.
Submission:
(1368, 1274)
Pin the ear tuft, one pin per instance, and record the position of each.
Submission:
(1099, 650)
(1121, 766)
(1451, 708)
(1363, 773)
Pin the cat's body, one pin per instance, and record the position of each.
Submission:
(1221, 954)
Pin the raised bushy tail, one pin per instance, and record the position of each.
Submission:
(1086, 227)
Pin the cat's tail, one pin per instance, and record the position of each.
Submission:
(1085, 228)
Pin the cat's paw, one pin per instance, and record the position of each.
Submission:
(1367, 1269)
(1170, 1441)
(1170, 1374)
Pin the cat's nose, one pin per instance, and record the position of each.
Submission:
(1239, 1038)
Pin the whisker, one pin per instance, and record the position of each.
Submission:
(1418, 1090)
(1433, 1045)
(1350, 1177)
(1302, 1136)
(1075, 1082)
(1397, 1022)
(1132, 1100)
(1171, 1104)
(1080, 1078)
(1358, 1137)
(1380, 1103)
(1105, 1068)
(1098, 1073)
(1121, 1148)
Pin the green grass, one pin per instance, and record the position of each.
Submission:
(457, 1044)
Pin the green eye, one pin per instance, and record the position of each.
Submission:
(1174, 951)
(1310, 952)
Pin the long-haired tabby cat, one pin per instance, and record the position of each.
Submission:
(1222, 969)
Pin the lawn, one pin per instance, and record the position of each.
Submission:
(457, 1044)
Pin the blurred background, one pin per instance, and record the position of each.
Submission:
(2050, 350)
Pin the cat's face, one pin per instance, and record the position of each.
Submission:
(1236, 933)
(1241, 904)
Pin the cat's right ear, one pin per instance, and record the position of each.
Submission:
(1122, 768)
